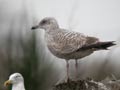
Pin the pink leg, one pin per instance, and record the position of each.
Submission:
(67, 66)
(76, 67)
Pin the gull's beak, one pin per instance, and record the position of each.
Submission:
(35, 27)
(8, 82)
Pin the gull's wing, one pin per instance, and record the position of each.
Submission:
(65, 42)
(91, 40)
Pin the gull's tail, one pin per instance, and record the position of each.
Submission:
(99, 45)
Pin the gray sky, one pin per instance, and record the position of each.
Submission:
(92, 17)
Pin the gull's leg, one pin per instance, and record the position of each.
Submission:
(67, 66)
(76, 68)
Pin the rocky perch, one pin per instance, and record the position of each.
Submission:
(89, 84)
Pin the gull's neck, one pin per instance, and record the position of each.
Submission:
(19, 86)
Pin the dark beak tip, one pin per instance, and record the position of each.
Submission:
(32, 28)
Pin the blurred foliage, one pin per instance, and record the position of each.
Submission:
(25, 61)
(18, 53)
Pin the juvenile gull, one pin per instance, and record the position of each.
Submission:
(69, 44)
(16, 80)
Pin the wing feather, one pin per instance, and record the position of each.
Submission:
(66, 42)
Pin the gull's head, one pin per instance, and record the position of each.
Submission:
(14, 79)
(47, 23)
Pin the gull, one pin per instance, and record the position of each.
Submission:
(68, 44)
(17, 81)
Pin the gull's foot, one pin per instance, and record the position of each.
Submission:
(69, 80)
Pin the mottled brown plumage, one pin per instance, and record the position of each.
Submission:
(69, 44)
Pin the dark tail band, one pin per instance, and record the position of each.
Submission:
(99, 45)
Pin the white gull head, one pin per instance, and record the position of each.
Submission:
(17, 81)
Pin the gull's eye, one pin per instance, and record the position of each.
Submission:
(17, 76)
(43, 22)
